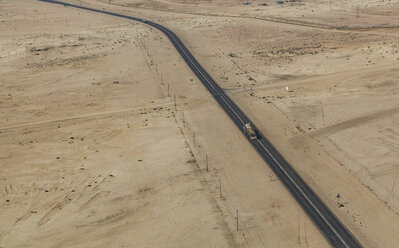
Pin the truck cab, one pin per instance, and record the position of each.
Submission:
(249, 131)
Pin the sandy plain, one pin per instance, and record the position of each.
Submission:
(94, 153)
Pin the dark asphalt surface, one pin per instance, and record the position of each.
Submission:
(329, 225)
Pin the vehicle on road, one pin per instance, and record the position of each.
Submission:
(249, 131)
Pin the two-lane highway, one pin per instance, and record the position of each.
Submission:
(329, 225)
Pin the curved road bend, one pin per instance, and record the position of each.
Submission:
(329, 225)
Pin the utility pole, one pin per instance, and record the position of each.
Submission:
(220, 188)
(174, 97)
(237, 219)
(168, 91)
(206, 160)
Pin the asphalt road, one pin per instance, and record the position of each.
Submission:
(329, 225)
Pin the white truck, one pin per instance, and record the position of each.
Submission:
(249, 131)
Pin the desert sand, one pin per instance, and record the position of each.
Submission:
(96, 152)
